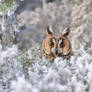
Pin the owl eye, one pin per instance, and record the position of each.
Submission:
(51, 43)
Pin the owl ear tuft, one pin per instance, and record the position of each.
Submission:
(66, 32)
(49, 31)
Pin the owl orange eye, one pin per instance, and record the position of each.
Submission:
(51, 43)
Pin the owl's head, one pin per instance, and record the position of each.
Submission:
(57, 45)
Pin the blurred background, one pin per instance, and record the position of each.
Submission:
(35, 15)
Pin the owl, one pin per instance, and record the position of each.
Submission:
(56, 45)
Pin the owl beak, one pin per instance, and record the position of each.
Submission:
(56, 52)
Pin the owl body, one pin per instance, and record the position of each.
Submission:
(56, 45)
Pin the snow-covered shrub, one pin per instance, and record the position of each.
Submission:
(8, 24)
(10, 66)
(21, 85)
(59, 76)
(81, 24)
